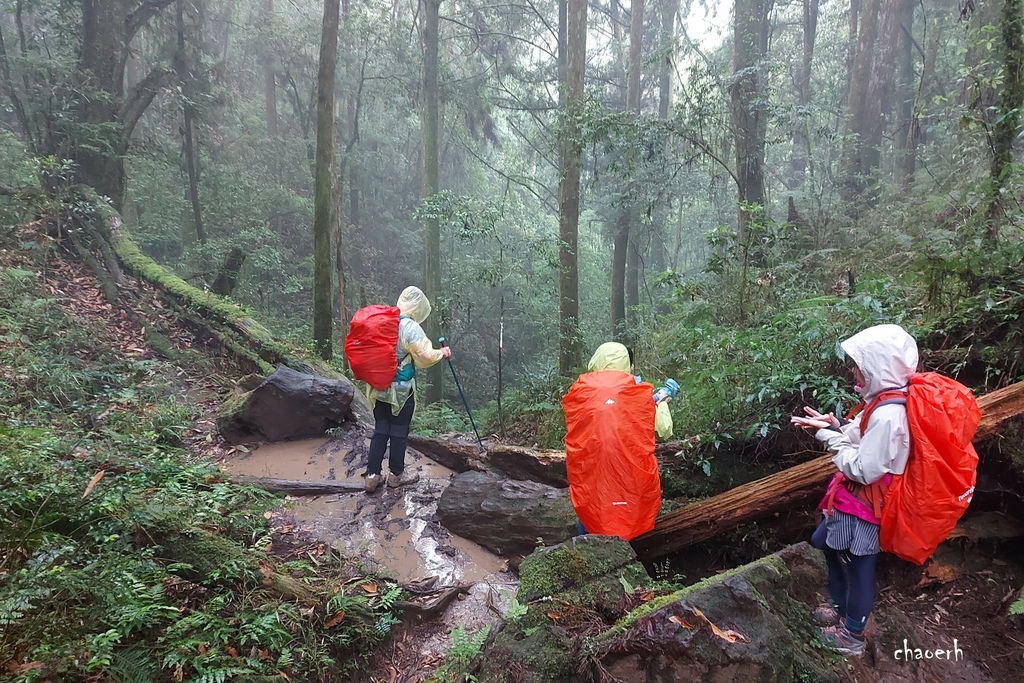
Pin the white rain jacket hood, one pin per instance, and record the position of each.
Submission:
(887, 357)
(414, 303)
(885, 354)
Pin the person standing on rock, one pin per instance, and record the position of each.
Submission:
(885, 358)
(611, 417)
(393, 407)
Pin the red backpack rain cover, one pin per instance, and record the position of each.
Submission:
(609, 454)
(371, 345)
(923, 505)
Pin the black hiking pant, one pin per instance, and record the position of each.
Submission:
(389, 427)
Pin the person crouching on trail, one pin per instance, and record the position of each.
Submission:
(613, 476)
(394, 406)
(885, 358)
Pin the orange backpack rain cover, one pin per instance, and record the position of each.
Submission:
(923, 505)
(371, 345)
(609, 453)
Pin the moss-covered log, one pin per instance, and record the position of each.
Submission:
(225, 320)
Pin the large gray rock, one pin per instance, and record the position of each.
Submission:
(750, 624)
(287, 405)
(505, 516)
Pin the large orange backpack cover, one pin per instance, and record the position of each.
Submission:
(371, 345)
(609, 453)
(923, 505)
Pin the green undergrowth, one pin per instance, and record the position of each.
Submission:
(98, 502)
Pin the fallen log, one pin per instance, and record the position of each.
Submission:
(294, 487)
(791, 487)
(456, 456)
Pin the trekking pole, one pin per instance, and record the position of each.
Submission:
(443, 342)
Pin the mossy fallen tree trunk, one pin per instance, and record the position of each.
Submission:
(225, 320)
(798, 485)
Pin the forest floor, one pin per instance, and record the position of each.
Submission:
(959, 601)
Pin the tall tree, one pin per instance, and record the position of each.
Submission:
(190, 150)
(749, 115)
(572, 53)
(1007, 126)
(666, 39)
(323, 191)
(801, 118)
(110, 114)
(625, 258)
(431, 184)
(269, 74)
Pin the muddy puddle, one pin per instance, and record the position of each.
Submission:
(391, 530)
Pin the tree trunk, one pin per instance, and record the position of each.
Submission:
(633, 269)
(905, 148)
(619, 248)
(431, 184)
(107, 29)
(749, 118)
(625, 290)
(189, 148)
(1007, 125)
(659, 252)
(572, 43)
(269, 75)
(801, 150)
(324, 198)
(798, 485)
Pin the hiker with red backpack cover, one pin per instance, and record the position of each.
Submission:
(906, 474)
(611, 417)
(384, 347)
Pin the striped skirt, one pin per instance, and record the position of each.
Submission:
(847, 532)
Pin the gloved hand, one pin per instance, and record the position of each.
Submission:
(672, 387)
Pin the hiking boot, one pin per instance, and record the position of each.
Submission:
(843, 641)
(372, 482)
(825, 615)
(405, 477)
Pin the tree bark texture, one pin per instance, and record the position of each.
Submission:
(573, 45)
(108, 27)
(801, 152)
(798, 485)
(323, 195)
(189, 148)
(906, 97)
(269, 75)
(749, 118)
(1007, 125)
(625, 290)
(431, 183)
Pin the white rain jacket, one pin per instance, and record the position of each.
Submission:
(413, 346)
(887, 357)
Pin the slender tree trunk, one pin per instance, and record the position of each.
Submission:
(855, 166)
(633, 246)
(269, 75)
(431, 184)
(619, 248)
(659, 252)
(323, 195)
(572, 43)
(624, 284)
(905, 149)
(1007, 125)
(12, 94)
(801, 150)
(749, 118)
(189, 147)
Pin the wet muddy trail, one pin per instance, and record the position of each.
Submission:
(391, 531)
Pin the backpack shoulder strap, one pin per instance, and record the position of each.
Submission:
(884, 398)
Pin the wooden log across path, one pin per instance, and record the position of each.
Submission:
(794, 486)
(294, 487)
